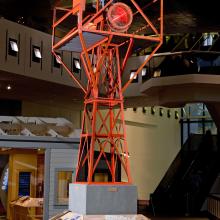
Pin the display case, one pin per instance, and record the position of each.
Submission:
(27, 208)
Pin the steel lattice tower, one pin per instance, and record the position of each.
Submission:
(98, 39)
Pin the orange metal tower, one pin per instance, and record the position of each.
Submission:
(99, 38)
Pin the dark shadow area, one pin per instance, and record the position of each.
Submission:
(188, 181)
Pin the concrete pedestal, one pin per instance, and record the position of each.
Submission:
(92, 199)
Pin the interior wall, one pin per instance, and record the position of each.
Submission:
(23, 64)
(61, 160)
(45, 110)
(40, 174)
(25, 161)
(153, 143)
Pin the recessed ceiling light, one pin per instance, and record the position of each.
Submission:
(125, 155)
(132, 75)
(77, 64)
(37, 53)
(8, 87)
(58, 59)
(14, 45)
(144, 71)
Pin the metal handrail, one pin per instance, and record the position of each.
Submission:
(213, 206)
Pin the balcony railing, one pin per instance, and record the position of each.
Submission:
(214, 205)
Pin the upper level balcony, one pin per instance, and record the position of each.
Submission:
(30, 71)
(169, 79)
(174, 79)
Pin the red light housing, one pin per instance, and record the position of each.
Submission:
(120, 17)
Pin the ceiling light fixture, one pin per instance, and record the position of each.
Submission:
(134, 76)
(76, 68)
(58, 59)
(144, 71)
(125, 155)
(37, 53)
(14, 46)
(8, 87)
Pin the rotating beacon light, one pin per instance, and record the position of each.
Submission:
(119, 17)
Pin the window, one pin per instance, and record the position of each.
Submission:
(62, 181)
(132, 73)
(76, 66)
(13, 47)
(208, 39)
(24, 184)
(195, 119)
(36, 54)
(57, 60)
(196, 110)
(157, 73)
(145, 73)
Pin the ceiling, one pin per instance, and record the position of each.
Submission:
(39, 91)
(182, 19)
(181, 16)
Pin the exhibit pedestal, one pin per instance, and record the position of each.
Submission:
(103, 199)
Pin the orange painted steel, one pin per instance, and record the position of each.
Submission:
(103, 123)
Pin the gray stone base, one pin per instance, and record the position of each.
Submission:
(92, 199)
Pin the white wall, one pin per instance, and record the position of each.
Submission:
(45, 110)
(153, 142)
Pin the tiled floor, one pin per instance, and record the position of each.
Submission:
(202, 216)
(176, 218)
(179, 218)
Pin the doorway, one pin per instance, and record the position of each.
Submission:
(21, 183)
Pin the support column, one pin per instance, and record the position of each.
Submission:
(47, 158)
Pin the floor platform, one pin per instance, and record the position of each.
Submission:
(70, 215)
(74, 44)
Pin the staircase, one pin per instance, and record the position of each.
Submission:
(188, 181)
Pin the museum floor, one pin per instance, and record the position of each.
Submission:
(202, 216)
(179, 218)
